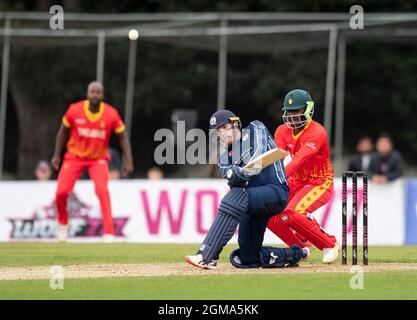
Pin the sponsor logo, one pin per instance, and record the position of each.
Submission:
(91, 133)
(213, 121)
(246, 155)
(311, 145)
(80, 121)
(43, 223)
(284, 217)
(245, 137)
(273, 258)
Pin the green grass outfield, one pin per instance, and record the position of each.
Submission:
(282, 284)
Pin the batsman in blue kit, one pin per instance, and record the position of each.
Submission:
(253, 199)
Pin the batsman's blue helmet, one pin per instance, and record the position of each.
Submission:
(222, 117)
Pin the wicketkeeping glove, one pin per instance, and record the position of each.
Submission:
(236, 177)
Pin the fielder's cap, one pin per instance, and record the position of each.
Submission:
(296, 99)
(222, 117)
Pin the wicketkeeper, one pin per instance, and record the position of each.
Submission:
(252, 200)
(310, 177)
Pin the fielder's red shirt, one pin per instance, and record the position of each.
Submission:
(309, 151)
(90, 132)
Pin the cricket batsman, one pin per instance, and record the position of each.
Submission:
(85, 131)
(252, 200)
(309, 174)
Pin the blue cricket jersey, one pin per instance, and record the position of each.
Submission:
(255, 140)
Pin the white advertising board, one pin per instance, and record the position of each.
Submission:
(171, 211)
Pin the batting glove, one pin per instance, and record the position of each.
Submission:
(236, 177)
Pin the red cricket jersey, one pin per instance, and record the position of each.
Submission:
(309, 151)
(90, 132)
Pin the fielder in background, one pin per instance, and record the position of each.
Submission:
(85, 130)
(253, 198)
(310, 177)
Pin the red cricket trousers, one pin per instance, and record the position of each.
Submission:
(70, 172)
(295, 224)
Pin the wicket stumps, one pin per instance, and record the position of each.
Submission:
(354, 176)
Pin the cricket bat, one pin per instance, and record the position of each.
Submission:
(264, 160)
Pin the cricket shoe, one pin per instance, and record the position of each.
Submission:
(108, 238)
(330, 254)
(62, 232)
(197, 261)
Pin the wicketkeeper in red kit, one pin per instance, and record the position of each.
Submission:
(85, 131)
(309, 174)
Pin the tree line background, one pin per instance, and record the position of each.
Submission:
(380, 81)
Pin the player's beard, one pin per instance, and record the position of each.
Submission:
(95, 102)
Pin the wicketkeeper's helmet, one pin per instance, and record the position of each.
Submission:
(295, 100)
